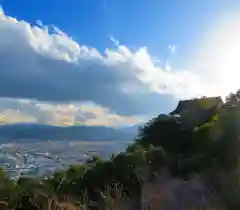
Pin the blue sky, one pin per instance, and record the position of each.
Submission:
(136, 23)
(113, 62)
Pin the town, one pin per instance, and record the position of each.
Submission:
(42, 159)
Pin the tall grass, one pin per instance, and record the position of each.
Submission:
(168, 194)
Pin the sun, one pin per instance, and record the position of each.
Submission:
(219, 57)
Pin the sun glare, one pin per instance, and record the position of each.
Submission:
(219, 57)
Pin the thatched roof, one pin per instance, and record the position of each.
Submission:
(204, 103)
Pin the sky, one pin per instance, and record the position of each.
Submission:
(113, 62)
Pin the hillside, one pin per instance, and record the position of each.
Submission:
(46, 132)
(172, 163)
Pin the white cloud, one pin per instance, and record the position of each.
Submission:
(84, 113)
(49, 65)
(168, 67)
(115, 41)
(172, 48)
(15, 116)
(42, 64)
(39, 23)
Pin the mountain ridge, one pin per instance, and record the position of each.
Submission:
(32, 131)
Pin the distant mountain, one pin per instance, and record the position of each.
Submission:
(16, 132)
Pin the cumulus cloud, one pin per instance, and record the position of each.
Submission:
(47, 65)
(84, 113)
(172, 48)
(115, 41)
(47, 77)
(14, 116)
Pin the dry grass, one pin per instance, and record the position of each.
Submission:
(112, 198)
(3, 205)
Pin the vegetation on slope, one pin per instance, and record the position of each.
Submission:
(195, 139)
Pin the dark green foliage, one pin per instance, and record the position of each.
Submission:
(94, 159)
(162, 131)
(9, 191)
(156, 158)
(211, 143)
(200, 136)
(229, 139)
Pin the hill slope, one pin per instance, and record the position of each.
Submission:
(47, 132)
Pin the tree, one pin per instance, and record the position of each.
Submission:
(233, 99)
(156, 158)
(160, 131)
(94, 159)
(9, 191)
